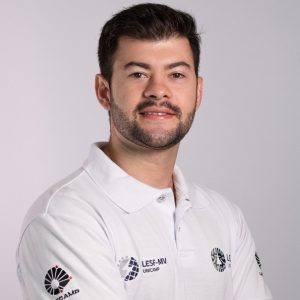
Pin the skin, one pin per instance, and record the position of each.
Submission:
(149, 76)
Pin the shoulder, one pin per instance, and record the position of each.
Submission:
(63, 198)
(203, 197)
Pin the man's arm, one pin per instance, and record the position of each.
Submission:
(248, 281)
(60, 254)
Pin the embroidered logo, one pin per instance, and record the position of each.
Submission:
(55, 280)
(219, 260)
(128, 267)
(153, 265)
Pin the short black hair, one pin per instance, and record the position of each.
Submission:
(147, 21)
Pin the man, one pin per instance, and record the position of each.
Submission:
(127, 225)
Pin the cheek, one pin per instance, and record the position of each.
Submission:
(125, 101)
(187, 98)
(126, 95)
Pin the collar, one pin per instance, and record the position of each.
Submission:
(124, 190)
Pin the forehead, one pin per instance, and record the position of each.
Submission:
(152, 52)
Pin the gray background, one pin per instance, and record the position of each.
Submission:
(244, 142)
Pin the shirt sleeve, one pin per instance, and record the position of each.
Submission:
(63, 255)
(248, 281)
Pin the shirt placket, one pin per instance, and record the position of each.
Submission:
(183, 205)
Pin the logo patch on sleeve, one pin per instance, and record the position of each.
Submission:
(258, 263)
(56, 280)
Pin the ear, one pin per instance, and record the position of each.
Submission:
(199, 92)
(102, 91)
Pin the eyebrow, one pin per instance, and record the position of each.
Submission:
(148, 67)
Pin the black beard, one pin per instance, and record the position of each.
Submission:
(137, 135)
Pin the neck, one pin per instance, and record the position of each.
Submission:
(152, 167)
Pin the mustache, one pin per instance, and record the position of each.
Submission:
(167, 104)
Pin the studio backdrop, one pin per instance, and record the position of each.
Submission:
(244, 142)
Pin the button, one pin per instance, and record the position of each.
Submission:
(178, 229)
(161, 198)
(187, 199)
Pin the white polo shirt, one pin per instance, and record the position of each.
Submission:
(101, 234)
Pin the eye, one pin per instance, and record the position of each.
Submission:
(138, 75)
(177, 75)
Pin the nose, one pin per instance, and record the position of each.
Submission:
(157, 89)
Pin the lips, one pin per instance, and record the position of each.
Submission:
(148, 113)
(157, 112)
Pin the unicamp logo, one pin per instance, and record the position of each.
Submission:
(56, 280)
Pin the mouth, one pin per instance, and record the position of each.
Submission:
(157, 114)
(147, 113)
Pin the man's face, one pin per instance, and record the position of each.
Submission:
(154, 92)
